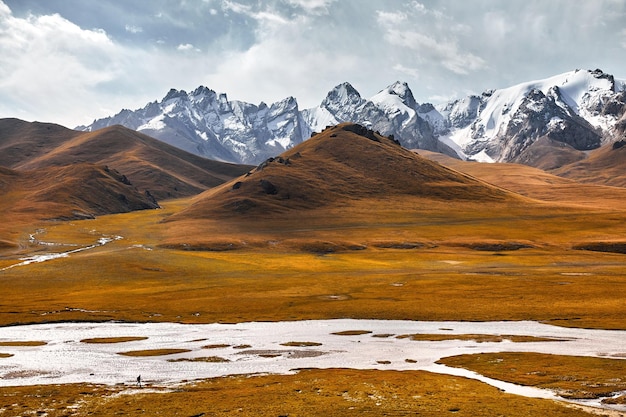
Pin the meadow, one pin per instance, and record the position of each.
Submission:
(411, 259)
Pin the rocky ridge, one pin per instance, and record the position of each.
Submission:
(580, 109)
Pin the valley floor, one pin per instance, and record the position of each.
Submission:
(382, 263)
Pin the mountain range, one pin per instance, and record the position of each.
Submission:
(49, 172)
(563, 116)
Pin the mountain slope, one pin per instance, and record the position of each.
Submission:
(149, 164)
(538, 184)
(606, 166)
(78, 191)
(342, 164)
(22, 141)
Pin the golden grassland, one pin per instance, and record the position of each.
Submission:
(572, 377)
(24, 343)
(408, 259)
(334, 392)
(273, 274)
(479, 338)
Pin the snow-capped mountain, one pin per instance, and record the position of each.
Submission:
(392, 111)
(580, 109)
(208, 124)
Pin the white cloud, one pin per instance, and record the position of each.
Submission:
(278, 65)
(46, 61)
(185, 47)
(412, 72)
(264, 15)
(418, 6)
(312, 6)
(133, 29)
(390, 19)
(437, 50)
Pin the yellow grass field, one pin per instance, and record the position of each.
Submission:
(292, 269)
(412, 259)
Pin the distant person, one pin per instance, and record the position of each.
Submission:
(139, 381)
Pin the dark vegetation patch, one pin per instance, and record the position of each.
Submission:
(209, 359)
(216, 346)
(301, 344)
(611, 247)
(398, 245)
(352, 332)
(154, 352)
(114, 339)
(325, 247)
(493, 246)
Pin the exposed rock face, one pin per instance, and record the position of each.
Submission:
(579, 108)
(208, 124)
(583, 109)
(538, 116)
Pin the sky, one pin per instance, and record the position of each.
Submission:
(73, 61)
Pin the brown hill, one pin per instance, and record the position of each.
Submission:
(22, 141)
(605, 165)
(546, 154)
(342, 164)
(77, 191)
(149, 164)
(538, 184)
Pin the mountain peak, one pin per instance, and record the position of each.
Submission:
(202, 91)
(173, 93)
(208, 124)
(401, 90)
(344, 94)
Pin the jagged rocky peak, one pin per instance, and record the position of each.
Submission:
(173, 94)
(493, 126)
(402, 90)
(598, 73)
(344, 94)
(286, 104)
(202, 90)
(462, 112)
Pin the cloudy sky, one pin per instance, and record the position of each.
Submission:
(71, 61)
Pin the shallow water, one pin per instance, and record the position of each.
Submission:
(257, 347)
(51, 256)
